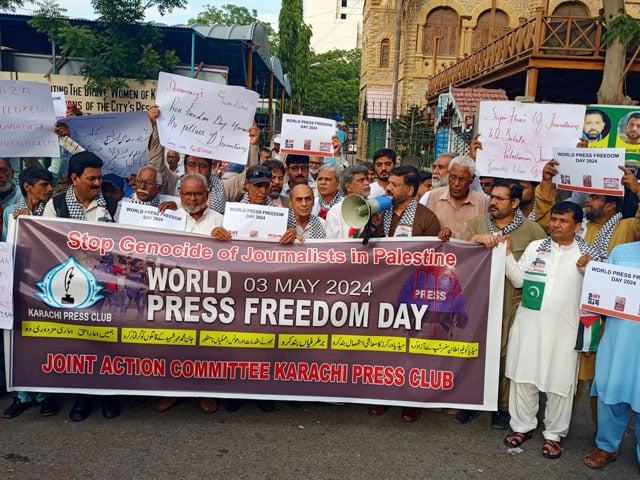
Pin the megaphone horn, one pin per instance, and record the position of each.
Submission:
(357, 210)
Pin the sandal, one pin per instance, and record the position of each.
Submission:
(551, 449)
(515, 439)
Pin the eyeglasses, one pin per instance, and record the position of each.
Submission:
(145, 183)
(199, 166)
(299, 168)
(498, 199)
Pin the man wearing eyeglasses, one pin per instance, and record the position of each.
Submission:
(456, 204)
(297, 174)
(504, 218)
(147, 187)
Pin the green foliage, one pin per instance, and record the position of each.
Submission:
(333, 85)
(230, 14)
(624, 28)
(293, 50)
(413, 135)
(10, 5)
(119, 46)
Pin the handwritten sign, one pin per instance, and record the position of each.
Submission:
(148, 216)
(119, 139)
(59, 104)
(255, 221)
(592, 170)
(611, 290)
(205, 119)
(6, 285)
(26, 120)
(307, 135)
(518, 138)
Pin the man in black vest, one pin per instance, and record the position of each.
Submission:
(84, 201)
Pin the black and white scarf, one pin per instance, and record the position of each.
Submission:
(22, 205)
(514, 224)
(217, 199)
(532, 214)
(408, 217)
(324, 208)
(154, 203)
(604, 235)
(76, 210)
(584, 247)
(268, 202)
(315, 227)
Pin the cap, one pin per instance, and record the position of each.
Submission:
(114, 180)
(258, 174)
(276, 139)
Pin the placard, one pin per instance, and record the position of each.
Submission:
(6, 285)
(119, 139)
(27, 120)
(614, 126)
(59, 104)
(307, 135)
(518, 138)
(590, 170)
(205, 119)
(148, 216)
(245, 220)
(611, 290)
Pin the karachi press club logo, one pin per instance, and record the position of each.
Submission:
(69, 285)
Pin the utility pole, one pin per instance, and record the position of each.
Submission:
(396, 68)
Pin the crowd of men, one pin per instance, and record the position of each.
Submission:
(548, 244)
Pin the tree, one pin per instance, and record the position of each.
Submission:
(622, 30)
(230, 14)
(120, 45)
(10, 5)
(333, 85)
(293, 50)
(413, 135)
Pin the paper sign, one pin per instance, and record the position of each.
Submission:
(518, 138)
(205, 119)
(255, 221)
(149, 216)
(119, 139)
(59, 104)
(27, 120)
(307, 135)
(6, 285)
(611, 290)
(591, 170)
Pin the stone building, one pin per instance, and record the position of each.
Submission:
(438, 34)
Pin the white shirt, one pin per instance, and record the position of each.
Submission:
(377, 190)
(209, 220)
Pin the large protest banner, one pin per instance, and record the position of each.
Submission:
(411, 321)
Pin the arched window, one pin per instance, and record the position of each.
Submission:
(385, 51)
(571, 9)
(482, 34)
(442, 28)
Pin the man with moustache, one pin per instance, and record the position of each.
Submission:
(504, 218)
(329, 193)
(147, 186)
(173, 158)
(315, 163)
(384, 160)
(354, 181)
(9, 194)
(84, 201)
(632, 129)
(277, 169)
(297, 173)
(439, 174)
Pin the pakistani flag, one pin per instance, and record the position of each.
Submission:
(533, 289)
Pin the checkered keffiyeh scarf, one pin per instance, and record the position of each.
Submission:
(532, 215)
(514, 224)
(154, 203)
(407, 218)
(217, 199)
(245, 199)
(604, 235)
(316, 229)
(324, 208)
(76, 210)
(22, 205)
(584, 247)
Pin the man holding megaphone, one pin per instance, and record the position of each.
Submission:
(354, 181)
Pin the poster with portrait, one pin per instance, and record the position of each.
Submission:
(614, 126)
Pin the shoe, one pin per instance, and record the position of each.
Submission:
(599, 458)
(49, 407)
(110, 407)
(266, 406)
(410, 414)
(164, 404)
(208, 405)
(16, 408)
(500, 420)
(81, 409)
(551, 449)
(377, 410)
(465, 416)
(233, 405)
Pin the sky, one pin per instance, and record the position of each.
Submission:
(268, 10)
